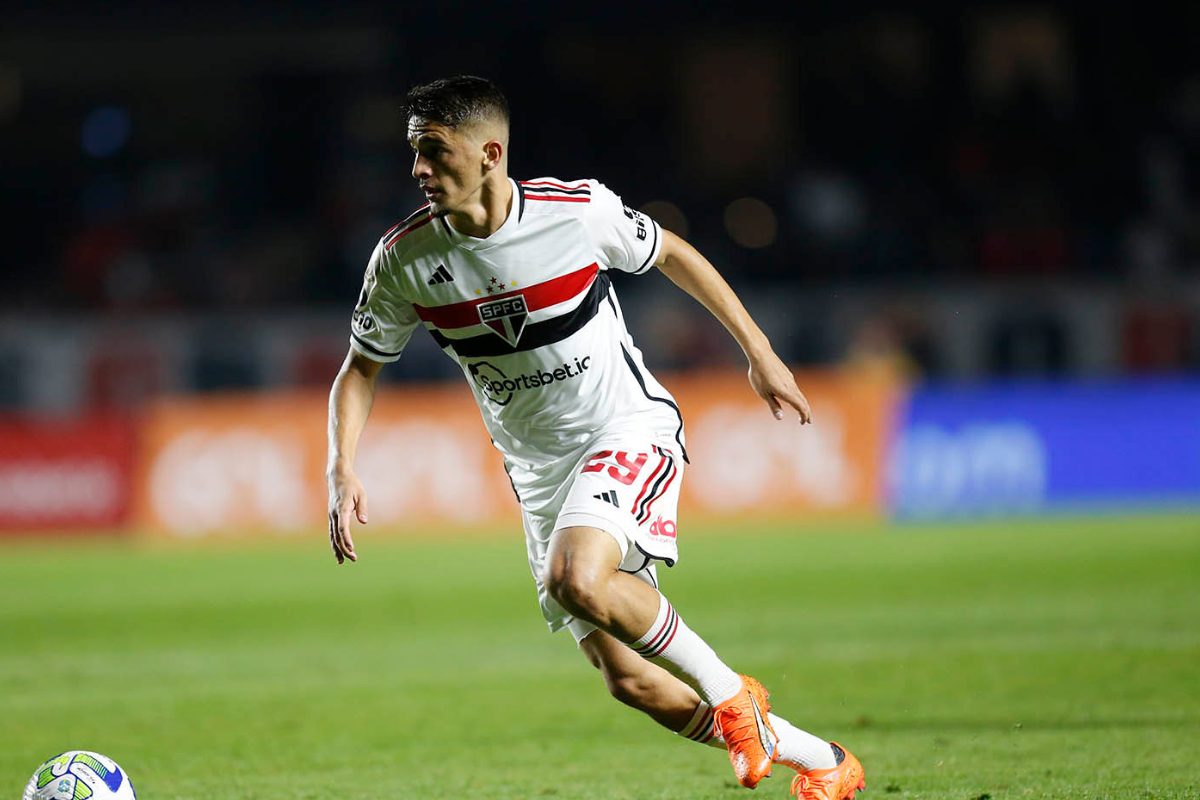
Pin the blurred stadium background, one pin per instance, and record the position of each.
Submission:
(988, 198)
(975, 234)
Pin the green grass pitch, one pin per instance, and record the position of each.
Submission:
(1029, 658)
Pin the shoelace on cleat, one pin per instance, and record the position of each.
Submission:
(803, 783)
(739, 721)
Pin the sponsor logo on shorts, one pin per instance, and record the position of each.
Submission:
(500, 388)
(663, 527)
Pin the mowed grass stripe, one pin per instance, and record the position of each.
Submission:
(1028, 658)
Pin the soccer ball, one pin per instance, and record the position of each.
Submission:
(79, 775)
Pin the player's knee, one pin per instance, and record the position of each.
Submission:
(577, 589)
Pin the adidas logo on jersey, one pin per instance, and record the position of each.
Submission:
(441, 275)
(608, 497)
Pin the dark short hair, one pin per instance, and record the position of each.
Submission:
(453, 101)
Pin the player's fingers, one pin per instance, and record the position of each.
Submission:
(798, 401)
(773, 404)
(344, 538)
(343, 528)
(347, 539)
(361, 506)
(788, 392)
(333, 537)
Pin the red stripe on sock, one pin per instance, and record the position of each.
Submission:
(648, 646)
(674, 630)
(699, 730)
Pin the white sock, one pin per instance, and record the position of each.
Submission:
(674, 646)
(798, 749)
(700, 728)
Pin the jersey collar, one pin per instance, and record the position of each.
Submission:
(501, 235)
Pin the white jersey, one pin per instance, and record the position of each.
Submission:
(529, 315)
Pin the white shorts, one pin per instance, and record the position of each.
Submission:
(628, 488)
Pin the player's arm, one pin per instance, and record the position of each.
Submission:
(769, 377)
(349, 405)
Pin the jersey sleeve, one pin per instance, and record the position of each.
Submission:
(383, 320)
(625, 239)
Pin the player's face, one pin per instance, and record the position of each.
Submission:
(445, 165)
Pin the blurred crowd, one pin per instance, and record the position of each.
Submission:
(179, 164)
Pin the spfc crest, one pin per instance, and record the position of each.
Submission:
(506, 316)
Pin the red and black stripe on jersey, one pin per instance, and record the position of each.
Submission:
(552, 191)
(415, 220)
(589, 280)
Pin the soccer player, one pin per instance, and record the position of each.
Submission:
(511, 280)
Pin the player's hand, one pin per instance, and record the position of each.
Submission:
(346, 497)
(774, 383)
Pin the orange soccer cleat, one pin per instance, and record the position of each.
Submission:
(743, 724)
(838, 783)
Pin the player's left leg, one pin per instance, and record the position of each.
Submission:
(676, 706)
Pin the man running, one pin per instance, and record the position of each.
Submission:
(511, 280)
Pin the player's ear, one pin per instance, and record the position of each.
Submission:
(493, 151)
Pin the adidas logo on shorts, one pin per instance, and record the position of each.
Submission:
(608, 497)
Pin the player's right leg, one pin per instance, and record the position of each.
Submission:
(651, 689)
(611, 524)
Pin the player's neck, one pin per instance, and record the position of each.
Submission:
(487, 213)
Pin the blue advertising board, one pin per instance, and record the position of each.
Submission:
(1024, 447)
